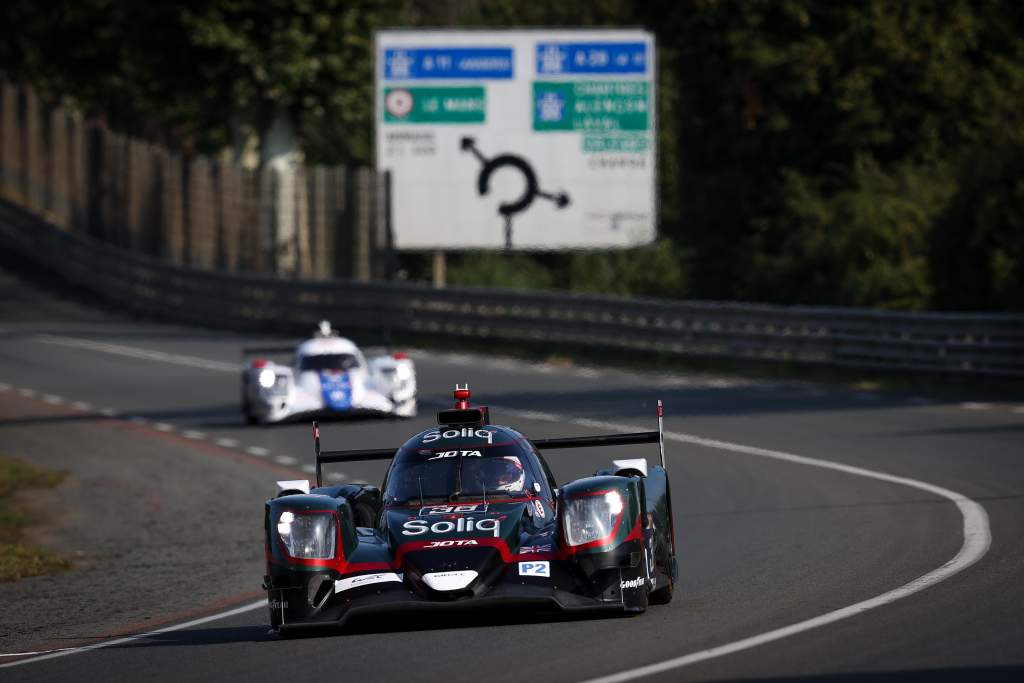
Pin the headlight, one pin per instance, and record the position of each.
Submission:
(591, 518)
(267, 378)
(403, 372)
(309, 537)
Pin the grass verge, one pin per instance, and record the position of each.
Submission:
(19, 560)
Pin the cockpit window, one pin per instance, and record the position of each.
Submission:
(466, 472)
(328, 361)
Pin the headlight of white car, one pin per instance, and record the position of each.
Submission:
(267, 378)
(403, 372)
(591, 518)
(308, 536)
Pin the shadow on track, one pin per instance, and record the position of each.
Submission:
(474, 619)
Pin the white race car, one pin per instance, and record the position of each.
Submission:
(329, 376)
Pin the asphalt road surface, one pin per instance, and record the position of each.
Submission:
(917, 576)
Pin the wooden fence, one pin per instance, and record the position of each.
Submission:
(194, 211)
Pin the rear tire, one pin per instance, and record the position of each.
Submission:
(275, 618)
(662, 596)
(247, 412)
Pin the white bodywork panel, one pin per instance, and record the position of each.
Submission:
(292, 485)
(639, 464)
(273, 391)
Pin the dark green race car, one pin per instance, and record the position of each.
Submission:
(470, 515)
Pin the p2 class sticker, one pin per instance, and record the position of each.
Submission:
(542, 568)
(365, 580)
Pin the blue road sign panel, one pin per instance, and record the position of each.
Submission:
(591, 58)
(426, 63)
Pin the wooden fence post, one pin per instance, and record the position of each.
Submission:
(363, 224)
(173, 205)
(60, 164)
(32, 153)
(78, 182)
(340, 197)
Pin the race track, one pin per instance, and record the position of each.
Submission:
(163, 508)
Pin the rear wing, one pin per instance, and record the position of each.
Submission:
(324, 457)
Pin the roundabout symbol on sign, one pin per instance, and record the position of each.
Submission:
(532, 190)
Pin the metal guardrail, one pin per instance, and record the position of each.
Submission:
(960, 343)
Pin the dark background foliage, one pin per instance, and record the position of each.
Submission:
(855, 152)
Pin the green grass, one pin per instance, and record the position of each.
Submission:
(17, 559)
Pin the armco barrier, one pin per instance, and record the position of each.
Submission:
(973, 344)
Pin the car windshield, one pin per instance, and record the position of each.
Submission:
(465, 472)
(328, 361)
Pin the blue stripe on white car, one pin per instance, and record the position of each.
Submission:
(337, 390)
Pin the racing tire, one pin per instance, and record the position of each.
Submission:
(275, 619)
(250, 419)
(663, 595)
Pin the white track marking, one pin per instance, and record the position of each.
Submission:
(226, 443)
(973, 405)
(4, 386)
(81, 405)
(27, 393)
(1019, 409)
(193, 434)
(53, 400)
(286, 460)
(144, 354)
(64, 651)
(309, 469)
(976, 534)
(540, 417)
(109, 412)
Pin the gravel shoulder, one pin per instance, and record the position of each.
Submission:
(155, 528)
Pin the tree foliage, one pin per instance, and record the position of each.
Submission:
(857, 152)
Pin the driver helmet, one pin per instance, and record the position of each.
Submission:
(505, 474)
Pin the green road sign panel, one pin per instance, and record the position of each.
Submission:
(466, 104)
(591, 106)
